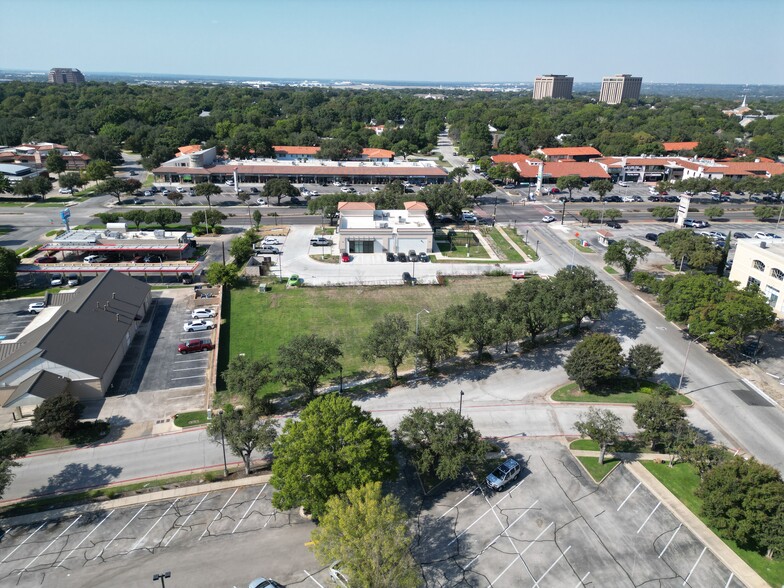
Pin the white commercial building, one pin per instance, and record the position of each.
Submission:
(761, 262)
(616, 89)
(363, 229)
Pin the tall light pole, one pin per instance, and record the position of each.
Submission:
(161, 576)
(223, 445)
(416, 334)
(460, 410)
(686, 359)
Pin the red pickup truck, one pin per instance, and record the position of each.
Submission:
(195, 345)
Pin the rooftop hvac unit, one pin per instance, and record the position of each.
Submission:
(159, 233)
(384, 225)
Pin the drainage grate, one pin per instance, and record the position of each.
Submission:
(751, 398)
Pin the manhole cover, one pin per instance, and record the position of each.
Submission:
(751, 398)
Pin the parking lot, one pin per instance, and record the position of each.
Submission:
(554, 527)
(14, 317)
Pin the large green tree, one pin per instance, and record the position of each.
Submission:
(534, 303)
(625, 254)
(601, 187)
(643, 360)
(278, 188)
(659, 419)
(98, 170)
(333, 446)
(569, 183)
(476, 321)
(116, 187)
(14, 443)
(244, 431)
(582, 294)
(227, 274)
(137, 217)
(245, 377)
(208, 218)
(206, 190)
(8, 262)
(55, 162)
(682, 245)
(58, 415)
(72, 180)
(163, 217)
(306, 359)
(367, 532)
(595, 359)
(477, 188)
(435, 342)
(389, 339)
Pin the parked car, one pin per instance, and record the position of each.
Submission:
(254, 190)
(548, 219)
(613, 225)
(623, 184)
(654, 198)
(424, 257)
(320, 242)
(153, 259)
(348, 190)
(46, 259)
(36, 307)
(762, 235)
(271, 240)
(637, 198)
(670, 198)
(65, 191)
(555, 191)
(73, 279)
(469, 217)
(200, 313)
(375, 189)
(402, 257)
(509, 186)
(293, 280)
(664, 193)
(195, 345)
(263, 583)
(503, 474)
(198, 325)
(391, 256)
(56, 280)
(587, 199)
(518, 274)
(345, 257)
(652, 237)
(740, 235)
(95, 259)
(266, 249)
(628, 199)
(718, 235)
(407, 279)
(612, 199)
(229, 182)
(412, 255)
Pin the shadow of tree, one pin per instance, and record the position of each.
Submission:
(78, 476)
(622, 323)
(671, 378)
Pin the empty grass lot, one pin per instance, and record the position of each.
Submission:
(464, 244)
(258, 323)
(504, 246)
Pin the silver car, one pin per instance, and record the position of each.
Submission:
(503, 474)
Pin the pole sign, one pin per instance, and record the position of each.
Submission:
(683, 210)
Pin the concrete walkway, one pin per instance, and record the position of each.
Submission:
(514, 245)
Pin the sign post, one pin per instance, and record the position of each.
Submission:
(64, 216)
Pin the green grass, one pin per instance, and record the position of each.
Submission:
(28, 292)
(527, 249)
(682, 480)
(577, 243)
(670, 268)
(622, 391)
(464, 244)
(598, 472)
(258, 323)
(623, 446)
(325, 258)
(325, 231)
(55, 232)
(191, 419)
(610, 270)
(86, 434)
(504, 246)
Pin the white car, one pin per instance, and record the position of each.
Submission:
(261, 201)
(263, 583)
(65, 191)
(627, 198)
(336, 183)
(95, 259)
(229, 182)
(375, 189)
(201, 313)
(181, 190)
(761, 235)
(198, 325)
(347, 190)
(548, 219)
(270, 240)
(36, 307)
(623, 184)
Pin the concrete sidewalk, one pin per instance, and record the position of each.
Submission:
(514, 245)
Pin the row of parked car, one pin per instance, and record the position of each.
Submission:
(412, 256)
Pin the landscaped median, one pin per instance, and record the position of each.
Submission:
(620, 391)
(578, 244)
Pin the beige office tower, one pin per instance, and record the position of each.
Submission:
(616, 89)
(553, 86)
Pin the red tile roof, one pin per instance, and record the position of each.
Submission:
(414, 205)
(557, 169)
(305, 150)
(308, 170)
(187, 149)
(356, 206)
(570, 151)
(681, 146)
(385, 153)
(517, 158)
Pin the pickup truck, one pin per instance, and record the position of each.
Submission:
(195, 345)
(320, 242)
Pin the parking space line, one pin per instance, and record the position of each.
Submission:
(24, 569)
(628, 497)
(732, 575)
(141, 541)
(582, 580)
(670, 541)
(217, 514)
(190, 360)
(189, 369)
(466, 497)
(123, 529)
(527, 510)
(187, 377)
(186, 520)
(464, 531)
(649, 517)
(695, 565)
(307, 573)
(560, 557)
(247, 511)
(84, 539)
(23, 542)
(520, 555)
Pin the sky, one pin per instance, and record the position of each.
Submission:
(684, 41)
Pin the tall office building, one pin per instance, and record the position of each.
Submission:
(616, 89)
(65, 75)
(553, 86)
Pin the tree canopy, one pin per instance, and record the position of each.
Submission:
(243, 431)
(595, 359)
(306, 359)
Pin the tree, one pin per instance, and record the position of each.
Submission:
(244, 198)
(279, 187)
(595, 359)
(602, 426)
(435, 343)
(71, 180)
(601, 187)
(663, 213)
(109, 217)
(207, 190)
(625, 254)
(367, 532)
(534, 303)
(257, 218)
(162, 217)
(116, 187)
(582, 295)
(569, 183)
(30, 186)
(228, 274)
(58, 415)
(589, 215)
(55, 162)
(442, 443)
(5, 185)
(684, 245)
(477, 188)
(712, 212)
(459, 172)
(711, 147)
(763, 212)
(137, 217)
(14, 443)
(703, 456)
(175, 197)
(241, 248)
(658, 418)
(333, 447)
(98, 170)
(243, 432)
(477, 321)
(245, 377)
(211, 217)
(643, 360)
(305, 359)
(8, 262)
(612, 214)
(505, 172)
(389, 339)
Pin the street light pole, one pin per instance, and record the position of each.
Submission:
(156, 577)
(686, 359)
(460, 410)
(537, 248)
(223, 445)
(563, 212)
(416, 335)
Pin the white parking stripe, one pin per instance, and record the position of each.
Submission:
(582, 581)
(695, 565)
(500, 535)
(187, 377)
(250, 507)
(24, 569)
(670, 541)
(307, 573)
(732, 575)
(649, 517)
(185, 522)
(203, 360)
(520, 555)
(217, 514)
(84, 539)
(23, 542)
(560, 557)
(464, 531)
(466, 497)
(141, 541)
(123, 529)
(190, 369)
(628, 497)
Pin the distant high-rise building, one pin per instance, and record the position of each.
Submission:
(65, 75)
(616, 89)
(553, 86)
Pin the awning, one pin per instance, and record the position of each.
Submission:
(187, 178)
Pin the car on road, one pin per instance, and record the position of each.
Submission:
(263, 583)
(198, 325)
(200, 313)
(518, 274)
(65, 191)
(613, 225)
(391, 256)
(424, 257)
(194, 346)
(57, 280)
(46, 259)
(345, 257)
(293, 280)
(652, 237)
(36, 307)
(548, 219)
(320, 242)
(503, 474)
(407, 279)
